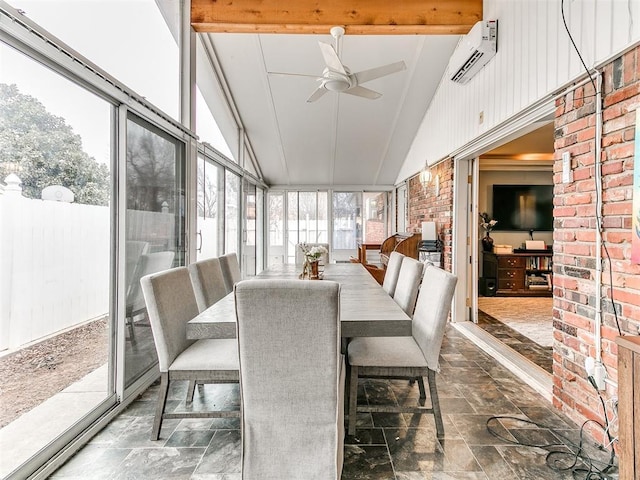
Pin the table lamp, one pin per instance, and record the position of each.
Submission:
(429, 231)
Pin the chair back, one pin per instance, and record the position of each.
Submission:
(391, 274)
(133, 251)
(432, 312)
(208, 282)
(230, 270)
(147, 264)
(408, 284)
(291, 379)
(324, 258)
(171, 303)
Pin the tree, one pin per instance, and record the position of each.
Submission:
(151, 170)
(46, 151)
(208, 187)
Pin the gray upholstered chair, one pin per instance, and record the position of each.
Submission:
(391, 274)
(407, 357)
(291, 379)
(208, 287)
(409, 279)
(324, 258)
(230, 270)
(171, 303)
(208, 282)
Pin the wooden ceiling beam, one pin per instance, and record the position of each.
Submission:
(358, 17)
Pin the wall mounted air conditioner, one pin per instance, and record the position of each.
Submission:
(474, 51)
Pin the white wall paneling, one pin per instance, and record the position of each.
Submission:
(535, 59)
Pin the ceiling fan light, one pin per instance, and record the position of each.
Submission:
(335, 85)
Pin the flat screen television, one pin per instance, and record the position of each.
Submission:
(523, 207)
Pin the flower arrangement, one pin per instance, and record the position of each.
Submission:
(312, 254)
(487, 223)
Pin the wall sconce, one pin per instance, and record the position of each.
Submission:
(427, 180)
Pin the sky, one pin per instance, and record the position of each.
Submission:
(126, 38)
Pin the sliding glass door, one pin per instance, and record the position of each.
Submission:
(347, 224)
(155, 229)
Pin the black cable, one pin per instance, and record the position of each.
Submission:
(613, 304)
(566, 27)
(577, 461)
(597, 163)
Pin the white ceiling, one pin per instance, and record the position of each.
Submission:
(340, 139)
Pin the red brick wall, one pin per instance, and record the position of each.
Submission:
(424, 206)
(374, 231)
(575, 233)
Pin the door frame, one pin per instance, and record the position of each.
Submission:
(465, 254)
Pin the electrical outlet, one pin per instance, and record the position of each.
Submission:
(481, 118)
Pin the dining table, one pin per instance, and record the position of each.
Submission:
(366, 310)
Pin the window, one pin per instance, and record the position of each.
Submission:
(276, 228)
(56, 237)
(140, 51)
(347, 224)
(210, 205)
(375, 230)
(231, 212)
(155, 225)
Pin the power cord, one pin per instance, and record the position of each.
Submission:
(577, 460)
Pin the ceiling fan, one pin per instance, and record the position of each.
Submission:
(336, 77)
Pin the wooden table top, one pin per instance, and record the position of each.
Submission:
(366, 310)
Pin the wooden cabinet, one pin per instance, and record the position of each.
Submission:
(629, 406)
(519, 274)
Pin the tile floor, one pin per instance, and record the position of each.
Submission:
(472, 386)
(538, 354)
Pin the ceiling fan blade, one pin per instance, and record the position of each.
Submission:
(373, 73)
(363, 92)
(320, 91)
(295, 75)
(331, 58)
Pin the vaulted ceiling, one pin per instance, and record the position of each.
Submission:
(339, 139)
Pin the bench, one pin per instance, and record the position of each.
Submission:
(404, 243)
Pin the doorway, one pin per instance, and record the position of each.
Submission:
(514, 296)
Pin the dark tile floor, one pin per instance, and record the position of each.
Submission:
(538, 354)
(472, 388)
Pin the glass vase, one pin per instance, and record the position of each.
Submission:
(487, 243)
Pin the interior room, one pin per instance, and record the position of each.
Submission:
(516, 306)
(283, 240)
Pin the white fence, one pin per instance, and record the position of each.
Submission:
(54, 266)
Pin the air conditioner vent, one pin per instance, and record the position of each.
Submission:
(474, 51)
(467, 66)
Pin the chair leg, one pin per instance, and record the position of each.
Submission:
(132, 329)
(353, 399)
(423, 393)
(162, 400)
(191, 390)
(435, 403)
(347, 387)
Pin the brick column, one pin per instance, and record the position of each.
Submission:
(575, 231)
